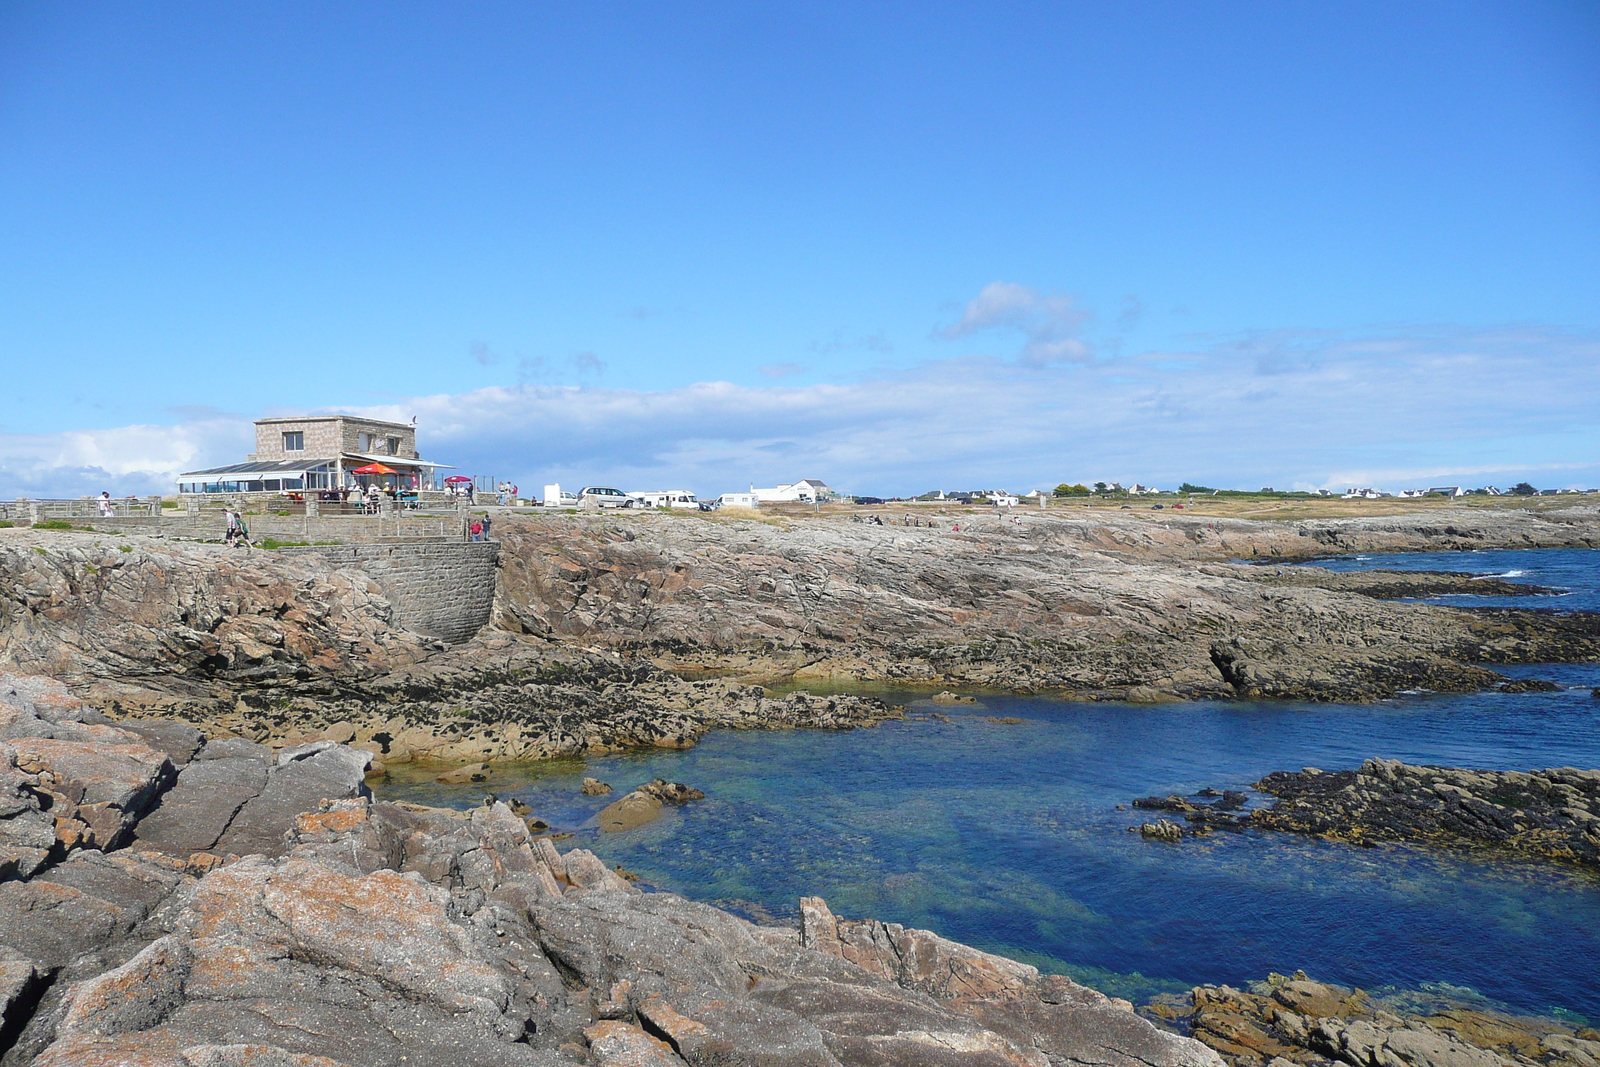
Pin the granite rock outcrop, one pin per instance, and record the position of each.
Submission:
(1294, 1020)
(1546, 814)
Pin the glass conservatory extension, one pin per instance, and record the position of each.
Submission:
(262, 477)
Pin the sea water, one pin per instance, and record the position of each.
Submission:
(1015, 836)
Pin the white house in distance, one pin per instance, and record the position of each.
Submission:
(805, 491)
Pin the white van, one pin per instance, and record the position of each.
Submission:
(666, 498)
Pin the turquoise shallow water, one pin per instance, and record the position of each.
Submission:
(1008, 837)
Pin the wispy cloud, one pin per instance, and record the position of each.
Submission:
(1049, 321)
(1288, 409)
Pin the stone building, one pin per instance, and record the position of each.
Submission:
(320, 452)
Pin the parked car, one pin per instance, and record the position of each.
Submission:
(710, 505)
(606, 497)
(869, 500)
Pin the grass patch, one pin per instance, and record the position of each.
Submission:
(6, 524)
(270, 543)
(736, 514)
(125, 548)
(53, 524)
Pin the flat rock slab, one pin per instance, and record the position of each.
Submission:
(330, 773)
(52, 924)
(194, 813)
(232, 747)
(178, 740)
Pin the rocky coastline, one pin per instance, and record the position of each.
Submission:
(612, 632)
(1551, 814)
(194, 874)
(1544, 814)
(1291, 1019)
(169, 899)
(172, 900)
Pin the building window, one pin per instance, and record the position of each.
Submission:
(294, 441)
(394, 446)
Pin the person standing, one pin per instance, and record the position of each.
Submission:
(477, 530)
(486, 526)
(105, 503)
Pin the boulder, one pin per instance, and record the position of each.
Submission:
(593, 787)
(671, 792)
(472, 772)
(633, 810)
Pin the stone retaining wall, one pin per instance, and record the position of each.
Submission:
(441, 590)
(212, 525)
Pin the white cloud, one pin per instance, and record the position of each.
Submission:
(1049, 321)
(1325, 410)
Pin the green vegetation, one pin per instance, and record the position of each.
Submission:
(1078, 489)
(169, 503)
(6, 524)
(1523, 489)
(125, 548)
(1187, 487)
(270, 543)
(53, 524)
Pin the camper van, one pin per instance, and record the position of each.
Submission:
(666, 498)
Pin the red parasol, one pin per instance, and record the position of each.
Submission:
(374, 468)
(454, 479)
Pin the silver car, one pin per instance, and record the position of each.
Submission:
(606, 497)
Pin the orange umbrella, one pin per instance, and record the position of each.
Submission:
(374, 468)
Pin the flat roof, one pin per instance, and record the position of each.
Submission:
(330, 418)
(260, 467)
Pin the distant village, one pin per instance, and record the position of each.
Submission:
(334, 458)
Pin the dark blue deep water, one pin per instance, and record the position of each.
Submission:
(1571, 571)
(1009, 836)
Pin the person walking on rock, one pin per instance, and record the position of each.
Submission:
(238, 533)
(105, 504)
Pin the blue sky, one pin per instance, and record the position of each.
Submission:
(895, 247)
